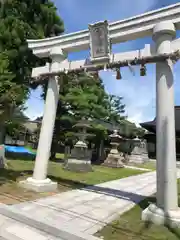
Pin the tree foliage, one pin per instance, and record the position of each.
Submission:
(11, 94)
(84, 97)
(21, 20)
(117, 109)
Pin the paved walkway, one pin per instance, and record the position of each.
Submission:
(79, 213)
(88, 210)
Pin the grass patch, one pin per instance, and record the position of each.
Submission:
(59, 155)
(21, 169)
(129, 226)
(31, 149)
(101, 174)
(148, 165)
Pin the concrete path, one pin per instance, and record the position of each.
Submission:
(88, 210)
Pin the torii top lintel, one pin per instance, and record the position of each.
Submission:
(120, 31)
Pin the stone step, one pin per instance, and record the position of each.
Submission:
(16, 226)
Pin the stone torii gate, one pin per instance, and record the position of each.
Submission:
(161, 25)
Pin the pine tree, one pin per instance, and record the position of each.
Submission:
(83, 97)
(21, 20)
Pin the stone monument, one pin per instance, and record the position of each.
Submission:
(136, 155)
(114, 158)
(144, 150)
(125, 148)
(80, 157)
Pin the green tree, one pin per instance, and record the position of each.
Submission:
(80, 97)
(21, 20)
(116, 109)
(84, 97)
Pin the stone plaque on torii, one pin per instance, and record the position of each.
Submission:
(161, 25)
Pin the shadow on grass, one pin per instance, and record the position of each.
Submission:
(146, 202)
(174, 231)
(7, 175)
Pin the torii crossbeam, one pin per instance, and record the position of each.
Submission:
(161, 25)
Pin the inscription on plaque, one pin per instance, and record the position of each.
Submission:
(99, 41)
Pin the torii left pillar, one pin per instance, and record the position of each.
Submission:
(39, 181)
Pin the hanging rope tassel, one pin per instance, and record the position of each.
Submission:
(143, 70)
(118, 74)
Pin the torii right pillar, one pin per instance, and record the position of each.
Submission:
(166, 210)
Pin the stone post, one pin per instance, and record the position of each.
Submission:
(80, 158)
(39, 182)
(136, 155)
(114, 158)
(144, 150)
(166, 210)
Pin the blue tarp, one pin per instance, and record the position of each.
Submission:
(17, 149)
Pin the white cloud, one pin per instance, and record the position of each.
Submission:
(136, 119)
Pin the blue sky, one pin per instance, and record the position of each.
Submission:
(138, 92)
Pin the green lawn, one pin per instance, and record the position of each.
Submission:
(31, 149)
(101, 174)
(60, 155)
(148, 165)
(17, 170)
(129, 226)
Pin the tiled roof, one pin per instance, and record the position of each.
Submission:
(151, 125)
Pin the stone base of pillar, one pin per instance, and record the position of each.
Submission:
(114, 161)
(157, 216)
(39, 185)
(145, 157)
(76, 165)
(134, 158)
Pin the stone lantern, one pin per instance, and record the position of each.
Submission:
(114, 158)
(137, 153)
(125, 147)
(144, 150)
(80, 157)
